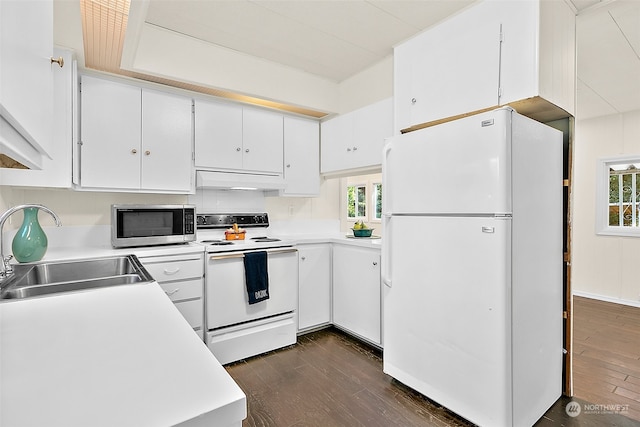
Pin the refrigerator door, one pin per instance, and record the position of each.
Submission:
(459, 167)
(446, 322)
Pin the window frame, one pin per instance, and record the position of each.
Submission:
(357, 202)
(369, 181)
(602, 198)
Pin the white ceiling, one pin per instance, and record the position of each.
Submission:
(336, 39)
(333, 39)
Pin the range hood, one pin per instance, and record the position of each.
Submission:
(237, 181)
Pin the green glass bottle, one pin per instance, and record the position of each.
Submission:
(30, 242)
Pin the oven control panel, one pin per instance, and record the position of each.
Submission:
(226, 220)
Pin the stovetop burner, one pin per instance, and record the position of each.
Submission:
(265, 239)
(217, 242)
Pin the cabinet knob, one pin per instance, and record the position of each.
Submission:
(246, 151)
(59, 61)
(303, 258)
(375, 262)
(169, 293)
(238, 149)
(413, 100)
(355, 148)
(289, 165)
(147, 152)
(348, 149)
(134, 151)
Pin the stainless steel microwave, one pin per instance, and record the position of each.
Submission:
(149, 225)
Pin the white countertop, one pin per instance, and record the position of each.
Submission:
(89, 250)
(119, 356)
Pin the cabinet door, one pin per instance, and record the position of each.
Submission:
(356, 291)
(371, 125)
(262, 141)
(314, 297)
(26, 77)
(110, 133)
(55, 172)
(451, 69)
(336, 136)
(166, 142)
(301, 156)
(218, 135)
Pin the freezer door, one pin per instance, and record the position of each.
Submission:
(459, 167)
(447, 313)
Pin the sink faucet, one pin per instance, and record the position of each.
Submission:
(6, 269)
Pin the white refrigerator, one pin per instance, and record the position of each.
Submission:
(472, 265)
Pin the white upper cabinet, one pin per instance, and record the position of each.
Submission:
(218, 134)
(354, 141)
(166, 142)
(262, 141)
(134, 139)
(229, 137)
(301, 157)
(55, 171)
(492, 54)
(111, 114)
(26, 80)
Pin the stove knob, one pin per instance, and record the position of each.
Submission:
(201, 220)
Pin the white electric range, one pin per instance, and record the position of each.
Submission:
(236, 329)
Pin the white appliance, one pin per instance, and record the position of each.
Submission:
(235, 329)
(472, 265)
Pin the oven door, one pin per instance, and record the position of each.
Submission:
(226, 293)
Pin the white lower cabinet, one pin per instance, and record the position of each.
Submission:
(181, 278)
(314, 294)
(356, 291)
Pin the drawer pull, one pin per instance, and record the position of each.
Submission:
(169, 293)
(171, 272)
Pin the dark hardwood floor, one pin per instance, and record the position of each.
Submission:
(330, 379)
(606, 354)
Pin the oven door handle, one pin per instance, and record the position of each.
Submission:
(241, 255)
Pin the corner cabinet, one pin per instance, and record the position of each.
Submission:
(301, 157)
(314, 281)
(56, 171)
(230, 137)
(357, 299)
(182, 279)
(26, 80)
(491, 54)
(134, 139)
(353, 142)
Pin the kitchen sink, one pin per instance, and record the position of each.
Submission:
(31, 280)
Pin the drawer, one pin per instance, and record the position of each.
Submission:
(192, 311)
(182, 290)
(175, 270)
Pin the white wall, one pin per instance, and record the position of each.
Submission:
(602, 266)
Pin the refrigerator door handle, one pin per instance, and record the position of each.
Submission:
(385, 266)
(386, 203)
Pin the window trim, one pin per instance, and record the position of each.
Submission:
(602, 198)
(368, 181)
(366, 208)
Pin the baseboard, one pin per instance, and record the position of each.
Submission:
(607, 299)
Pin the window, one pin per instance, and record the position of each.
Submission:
(362, 197)
(619, 196)
(377, 200)
(357, 201)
